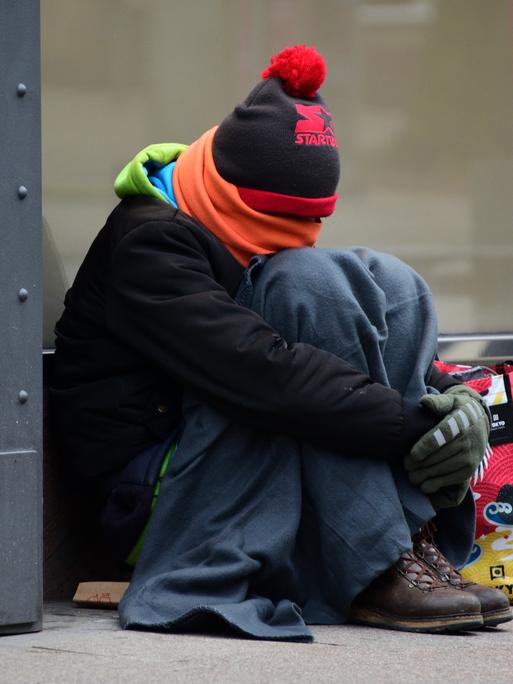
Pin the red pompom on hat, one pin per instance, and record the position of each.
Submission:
(301, 68)
(279, 147)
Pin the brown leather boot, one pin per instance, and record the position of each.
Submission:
(409, 596)
(495, 606)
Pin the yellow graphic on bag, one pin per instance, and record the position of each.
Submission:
(491, 560)
(497, 391)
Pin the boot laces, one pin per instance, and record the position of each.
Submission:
(425, 547)
(418, 573)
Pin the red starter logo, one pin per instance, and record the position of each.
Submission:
(316, 126)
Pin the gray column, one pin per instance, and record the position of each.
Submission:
(20, 318)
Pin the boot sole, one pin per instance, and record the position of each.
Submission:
(497, 617)
(448, 623)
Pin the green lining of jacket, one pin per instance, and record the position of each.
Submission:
(134, 553)
(133, 179)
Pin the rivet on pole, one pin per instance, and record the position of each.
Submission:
(22, 396)
(23, 295)
(21, 89)
(22, 192)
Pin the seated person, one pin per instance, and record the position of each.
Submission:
(314, 463)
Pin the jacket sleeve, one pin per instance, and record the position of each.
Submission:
(163, 301)
(440, 380)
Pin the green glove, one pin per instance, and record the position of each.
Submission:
(448, 497)
(464, 389)
(449, 454)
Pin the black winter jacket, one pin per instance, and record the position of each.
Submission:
(151, 311)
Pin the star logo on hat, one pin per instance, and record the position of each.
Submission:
(315, 127)
(328, 122)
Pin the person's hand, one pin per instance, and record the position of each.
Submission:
(444, 459)
(466, 390)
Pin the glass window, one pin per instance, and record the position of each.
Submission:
(420, 91)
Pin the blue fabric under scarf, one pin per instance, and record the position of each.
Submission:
(161, 177)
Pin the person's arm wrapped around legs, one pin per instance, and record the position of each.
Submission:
(442, 462)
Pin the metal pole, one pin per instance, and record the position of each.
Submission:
(20, 319)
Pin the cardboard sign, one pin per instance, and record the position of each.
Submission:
(100, 594)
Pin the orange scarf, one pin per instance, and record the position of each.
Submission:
(203, 194)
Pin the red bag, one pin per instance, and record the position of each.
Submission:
(491, 560)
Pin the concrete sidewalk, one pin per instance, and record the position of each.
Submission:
(81, 646)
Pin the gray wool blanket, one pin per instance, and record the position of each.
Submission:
(264, 534)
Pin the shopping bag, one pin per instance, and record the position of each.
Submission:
(491, 559)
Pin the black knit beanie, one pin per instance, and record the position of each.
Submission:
(279, 147)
